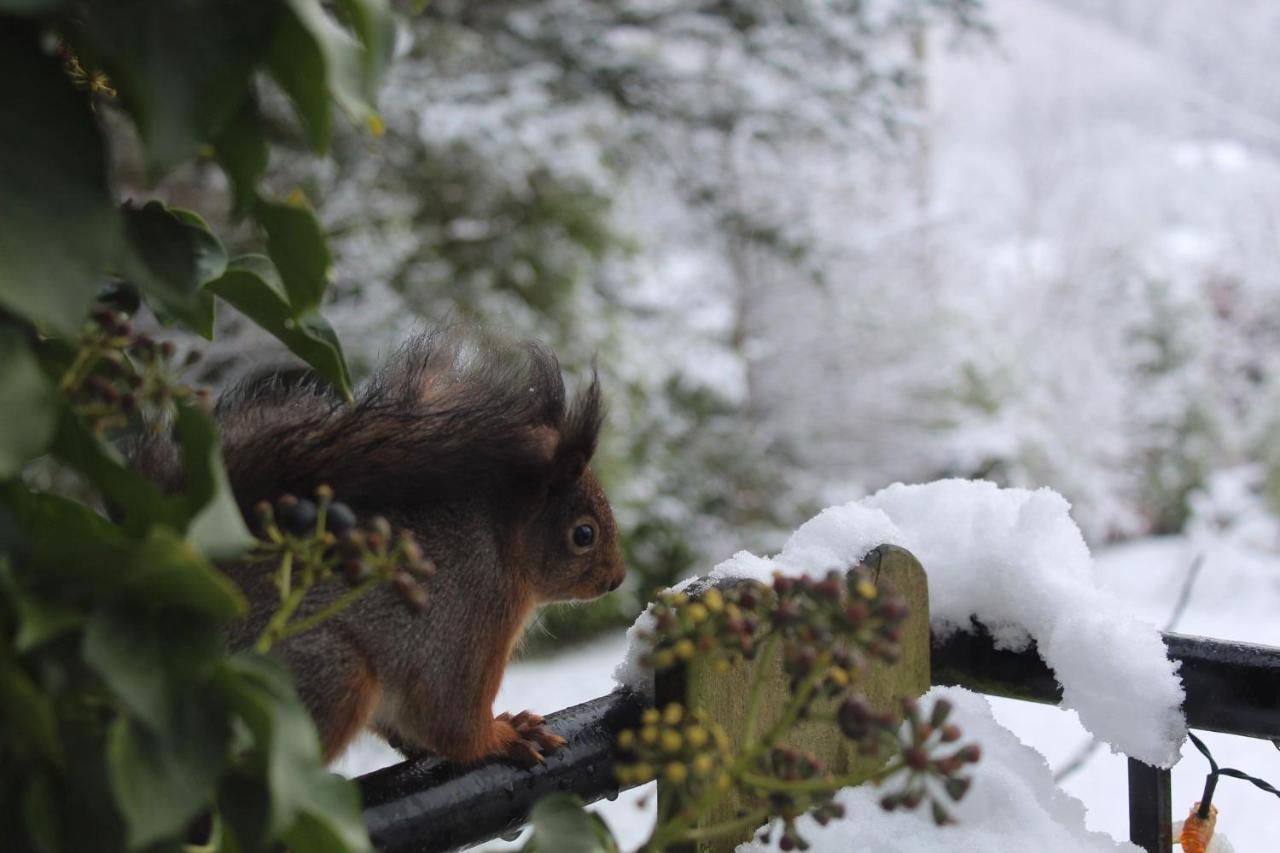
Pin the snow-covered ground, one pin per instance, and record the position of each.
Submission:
(1236, 596)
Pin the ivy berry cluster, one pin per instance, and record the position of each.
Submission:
(930, 775)
(723, 627)
(683, 747)
(116, 372)
(825, 632)
(314, 541)
(810, 793)
(832, 629)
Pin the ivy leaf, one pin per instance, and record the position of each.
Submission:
(252, 286)
(169, 255)
(167, 571)
(28, 403)
(297, 248)
(241, 149)
(181, 73)
(562, 825)
(150, 659)
(215, 526)
(133, 499)
(72, 548)
(314, 59)
(41, 620)
(58, 225)
(373, 24)
(298, 64)
(205, 511)
(162, 779)
(30, 6)
(27, 712)
(310, 808)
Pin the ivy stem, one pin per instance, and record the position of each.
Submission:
(818, 786)
(788, 719)
(80, 367)
(339, 604)
(757, 689)
(291, 598)
(731, 827)
(286, 574)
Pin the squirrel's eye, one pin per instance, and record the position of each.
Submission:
(582, 536)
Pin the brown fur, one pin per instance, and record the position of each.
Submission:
(471, 445)
(352, 714)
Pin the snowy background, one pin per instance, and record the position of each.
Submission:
(1032, 241)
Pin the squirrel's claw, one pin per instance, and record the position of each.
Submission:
(525, 752)
(534, 739)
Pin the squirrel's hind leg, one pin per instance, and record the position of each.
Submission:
(342, 692)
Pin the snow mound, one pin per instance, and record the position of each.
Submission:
(1013, 804)
(1014, 560)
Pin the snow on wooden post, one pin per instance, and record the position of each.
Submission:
(724, 695)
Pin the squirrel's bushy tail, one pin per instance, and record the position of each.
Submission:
(451, 409)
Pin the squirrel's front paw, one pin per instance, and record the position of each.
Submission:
(532, 740)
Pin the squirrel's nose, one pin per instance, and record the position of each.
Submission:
(616, 583)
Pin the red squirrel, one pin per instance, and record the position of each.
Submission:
(471, 445)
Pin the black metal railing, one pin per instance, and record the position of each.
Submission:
(428, 805)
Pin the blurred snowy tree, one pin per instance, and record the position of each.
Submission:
(621, 179)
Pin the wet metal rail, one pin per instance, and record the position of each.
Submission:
(426, 805)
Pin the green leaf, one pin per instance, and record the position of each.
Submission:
(182, 70)
(162, 780)
(310, 808)
(133, 499)
(27, 713)
(252, 287)
(298, 64)
(315, 59)
(297, 248)
(41, 620)
(216, 526)
(72, 550)
(58, 225)
(40, 812)
(28, 403)
(151, 660)
(374, 25)
(241, 149)
(170, 255)
(205, 510)
(167, 571)
(562, 825)
(30, 6)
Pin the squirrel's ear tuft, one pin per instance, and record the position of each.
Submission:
(581, 432)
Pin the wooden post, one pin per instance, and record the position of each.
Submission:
(724, 695)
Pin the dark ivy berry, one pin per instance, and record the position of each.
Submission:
(339, 518)
(854, 718)
(298, 518)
